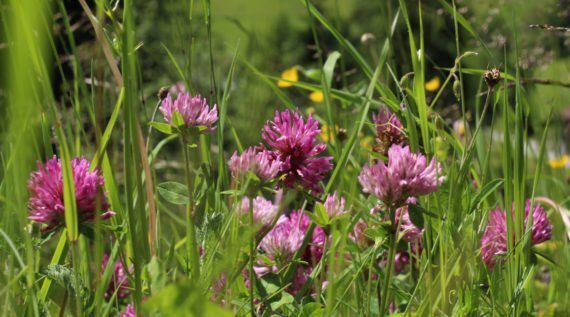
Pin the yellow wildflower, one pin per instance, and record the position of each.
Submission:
(289, 75)
(317, 96)
(366, 142)
(559, 163)
(433, 84)
(326, 135)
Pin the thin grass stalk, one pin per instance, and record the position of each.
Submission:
(192, 252)
(508, 188)
(251, 257)
(392, 244)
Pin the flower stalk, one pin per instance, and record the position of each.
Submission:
(392, 244)
(251, 256)
(191, 241)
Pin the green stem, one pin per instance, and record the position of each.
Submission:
(251, 257)
(76, 272)
(383, 305)
(191, 241)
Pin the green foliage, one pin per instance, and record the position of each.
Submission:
(80, 80)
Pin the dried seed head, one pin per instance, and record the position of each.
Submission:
(162, 93)
(341, 134)
(492, 77)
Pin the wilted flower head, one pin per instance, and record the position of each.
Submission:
(259, 161)
(389, 130)
(335, 206)
(46, 188)
(193, 109)
(119, 282)
(264, 211)
(495, 240)
(492, 77)
(294, 143)
(129, 311)
(406, 174)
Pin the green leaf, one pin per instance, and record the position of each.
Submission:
(156, 273)
(487, 190)
(415, 212)
(375, 233)
(174, 192)
(320, 215)
(162, 127)
(67, 279)
(314, 74)
(328, 68)
(312, 309)
(182, 299)
(177, 119)
(274, 295)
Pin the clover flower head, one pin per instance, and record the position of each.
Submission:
(46, 203)
(193, 109)
(494, 241)
(409, 231)
(335, 205)
(293, 142)
(264, 211)
(286, 238)
(259, 161)
(405, 175)
(119, 282)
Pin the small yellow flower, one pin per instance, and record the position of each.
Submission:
(310, 110)
(433, 84)
(317, 96)
(326, 135)
(289, 75)
(366, 142)
(559, 163)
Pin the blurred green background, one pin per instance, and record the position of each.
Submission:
(275, 35)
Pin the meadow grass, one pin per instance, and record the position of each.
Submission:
(180, 233)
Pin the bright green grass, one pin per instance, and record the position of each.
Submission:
(152, 232)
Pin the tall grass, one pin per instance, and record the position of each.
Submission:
(178, 227)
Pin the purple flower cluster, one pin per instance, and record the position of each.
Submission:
(494, 242)
(293, 143)
(335, 206)
(119, 282)
(129, 311)
(284, 240)
(406, 175)
(409, 232)
(193, 109)
(46, 188)
(257, 160)
(264, 211)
